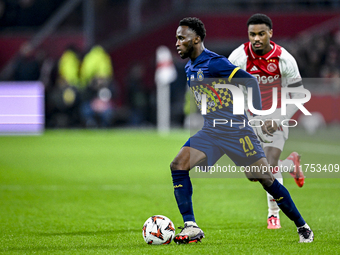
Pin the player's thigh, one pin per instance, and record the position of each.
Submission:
(273, 150)
(205, 151)
(187, 158)
(272, 155)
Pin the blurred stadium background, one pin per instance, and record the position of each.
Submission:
(34, 35)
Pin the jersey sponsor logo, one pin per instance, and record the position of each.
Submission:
(197, 96)
(254, 68)
(271, 67)
(211, 103)
(200, 75)
(266, 79)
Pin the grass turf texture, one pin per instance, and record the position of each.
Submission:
(89, 192)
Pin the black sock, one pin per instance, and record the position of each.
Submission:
(183, 193)
(285, 202)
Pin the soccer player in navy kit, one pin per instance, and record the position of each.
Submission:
(210, 143)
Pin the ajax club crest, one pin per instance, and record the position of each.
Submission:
(200, 75)
(271, 67)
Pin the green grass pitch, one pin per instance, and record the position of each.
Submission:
(90, 191)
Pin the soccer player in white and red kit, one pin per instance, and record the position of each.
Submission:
(274, 67)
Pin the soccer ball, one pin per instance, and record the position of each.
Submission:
(158, 229)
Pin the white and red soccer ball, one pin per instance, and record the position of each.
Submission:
(158, 229)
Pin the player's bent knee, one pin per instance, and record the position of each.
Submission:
(173, 166)
(176, 165)
(272, 155)
(272, 161)
(266, 182)
(250, 177)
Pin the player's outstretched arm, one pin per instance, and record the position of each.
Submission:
(250, 81)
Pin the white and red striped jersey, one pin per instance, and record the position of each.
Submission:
(277, 68)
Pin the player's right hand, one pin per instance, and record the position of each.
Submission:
(261, 130)
(265, 130)
(270, 126)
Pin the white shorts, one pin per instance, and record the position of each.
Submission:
(279, 138)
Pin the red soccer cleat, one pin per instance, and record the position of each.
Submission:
(297, 173)
(273, 222)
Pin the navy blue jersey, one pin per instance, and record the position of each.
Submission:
(238, 140)
(203, 74)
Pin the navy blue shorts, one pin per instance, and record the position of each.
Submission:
(242, 147)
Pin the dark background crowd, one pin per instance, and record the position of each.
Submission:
(84, 84)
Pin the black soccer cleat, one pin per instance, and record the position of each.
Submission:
(306, 235)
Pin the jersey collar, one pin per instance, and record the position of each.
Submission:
(266, 56)
(199, 58)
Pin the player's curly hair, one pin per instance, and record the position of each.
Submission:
(260, 18)
(195, 24)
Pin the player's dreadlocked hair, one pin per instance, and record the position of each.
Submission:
(195, 24)
(260, 19)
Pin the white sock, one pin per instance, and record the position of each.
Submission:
(273, 208)
(191, 223)
(286, 164)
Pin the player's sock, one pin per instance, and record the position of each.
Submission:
(183, 193)
(304, 226)
(191, 223)
(273, 208)
(286, 165)
(285, 202)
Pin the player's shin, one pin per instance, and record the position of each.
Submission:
(183, 193)
(273, 208)
(285, 202)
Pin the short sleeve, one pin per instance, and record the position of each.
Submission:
(289, 69)
(238, 57)
(221, 67)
